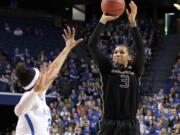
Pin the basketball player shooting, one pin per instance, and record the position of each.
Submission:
(34, 117)
(120, 79)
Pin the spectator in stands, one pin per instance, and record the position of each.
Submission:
(7, 28)
(33, 102)
(175, 76)
(26, 53)
(18, 31)
(4, 83)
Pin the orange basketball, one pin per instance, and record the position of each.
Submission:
(113, 7)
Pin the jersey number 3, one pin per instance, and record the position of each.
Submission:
(124, 81)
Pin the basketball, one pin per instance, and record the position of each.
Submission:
(113, 7)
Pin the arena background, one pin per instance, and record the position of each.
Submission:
(60, 12)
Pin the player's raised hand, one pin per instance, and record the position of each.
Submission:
(106, 18)
(69, 37)
(132, 13)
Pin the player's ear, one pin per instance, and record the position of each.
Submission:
(130, 57)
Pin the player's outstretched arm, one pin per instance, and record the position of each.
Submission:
(139, 60)
(55, 66)
(100, 58)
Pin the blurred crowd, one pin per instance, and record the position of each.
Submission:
(175, 76)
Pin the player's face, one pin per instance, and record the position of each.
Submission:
(121, 55)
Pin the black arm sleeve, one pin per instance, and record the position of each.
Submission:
(139, 59)
(101, 60)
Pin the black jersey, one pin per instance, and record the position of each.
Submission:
(120, 93)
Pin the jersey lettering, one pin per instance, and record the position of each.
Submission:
(124, 81)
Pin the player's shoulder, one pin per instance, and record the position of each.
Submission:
(27, 93)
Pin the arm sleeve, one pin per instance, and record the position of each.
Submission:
(139, 59)
(100, 59)
(26, 102)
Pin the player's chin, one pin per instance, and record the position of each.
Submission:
(119, 62)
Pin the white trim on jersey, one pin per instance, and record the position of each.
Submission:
(32, 83)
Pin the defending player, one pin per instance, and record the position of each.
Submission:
(32, 110)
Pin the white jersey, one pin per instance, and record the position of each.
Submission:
(37, 121)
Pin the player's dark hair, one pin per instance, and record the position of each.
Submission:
(125, 45)
(24, 74)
